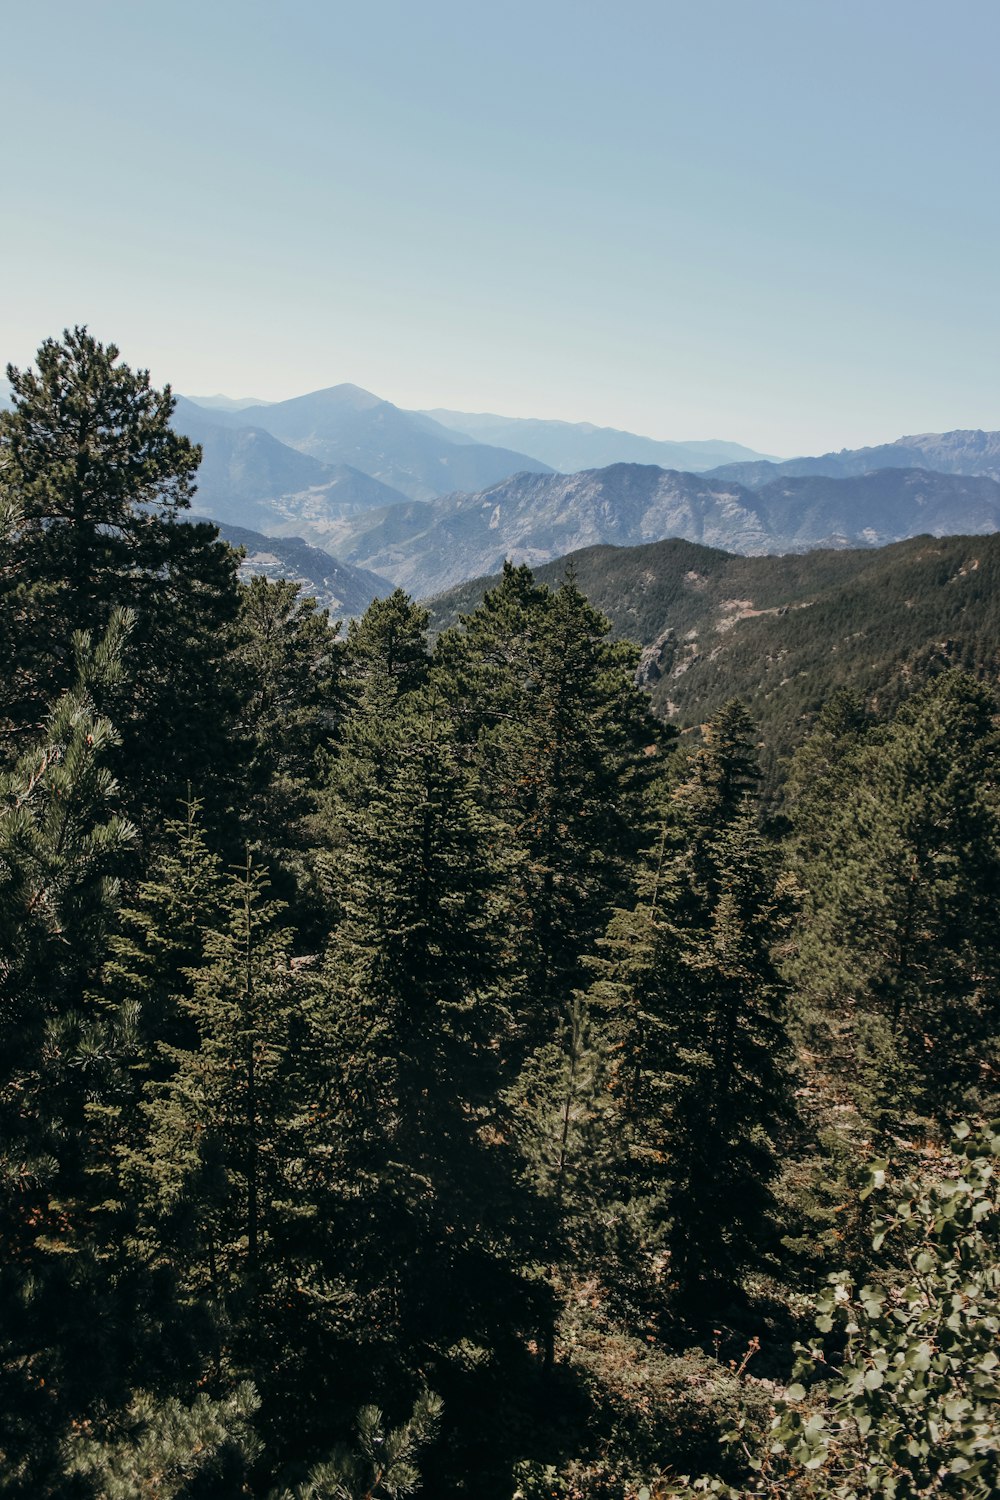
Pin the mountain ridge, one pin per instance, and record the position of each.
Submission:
(344, 590)
(782, 632)
(972, 451)
(345, 424)
(571, 446)
(534, 518)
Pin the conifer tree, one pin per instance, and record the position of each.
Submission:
(695, 1008)
(166, 1448)
(425, 1204)
(380, 1462)
(901, 933)
(210, 1167)
(288, 659)
(88, 456)
(387, 647)
(93, 479)
(158, 940)
(63, 846)
(562, 742)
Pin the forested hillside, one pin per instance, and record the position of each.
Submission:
(421, 1070)
(784, 633)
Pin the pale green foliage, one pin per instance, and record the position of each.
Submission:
(154, 1449)
(914, 1406)
(381, 1463)
(899, 1396)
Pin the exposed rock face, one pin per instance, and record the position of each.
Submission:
(657, 659)
(533, 518)
(342, 589)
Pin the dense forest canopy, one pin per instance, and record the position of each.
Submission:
(419, 1068)
(783, 633)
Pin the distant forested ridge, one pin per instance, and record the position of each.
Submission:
(784, 633)
(421, 1069)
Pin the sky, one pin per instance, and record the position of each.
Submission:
(770, 221)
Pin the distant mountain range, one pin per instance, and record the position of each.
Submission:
(428, 499)
(248, 477)
(782, 632)
(429, 546)
(336, 586)
(228, 403)
(570, 446)
(395, 492)
(966, 451)
(404, 450)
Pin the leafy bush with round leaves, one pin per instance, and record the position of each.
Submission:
(899, 1395)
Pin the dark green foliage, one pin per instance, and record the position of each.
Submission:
(414, 973)
(166, 1449)
(210, 1166)
(96, 472)
(695, 1011)
(564, 746)
(784, 633)
(377, 1020)
(380, 1463)
(288, 659)
(387, 648)
(92, 480)
(61, 844)
(901, 864)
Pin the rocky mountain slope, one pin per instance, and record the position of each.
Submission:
(784, 632)
(344, 590)
(427, 547)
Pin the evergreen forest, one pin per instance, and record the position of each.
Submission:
(424, 1071)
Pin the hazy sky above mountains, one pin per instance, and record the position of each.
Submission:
(772, 221)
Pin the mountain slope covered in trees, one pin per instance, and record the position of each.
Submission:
(783, 633)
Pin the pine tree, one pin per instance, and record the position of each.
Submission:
(380, 1462)
(564, 746)
(63, 846)
(288, 659)
(697, 1015)
(426, 1214)
(93, 479)
(95, 469)
(166, 1448)
(219, 1139)
(159, 936)
(387, 647)
(900, 936)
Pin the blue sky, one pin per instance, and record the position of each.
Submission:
(773, 221)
